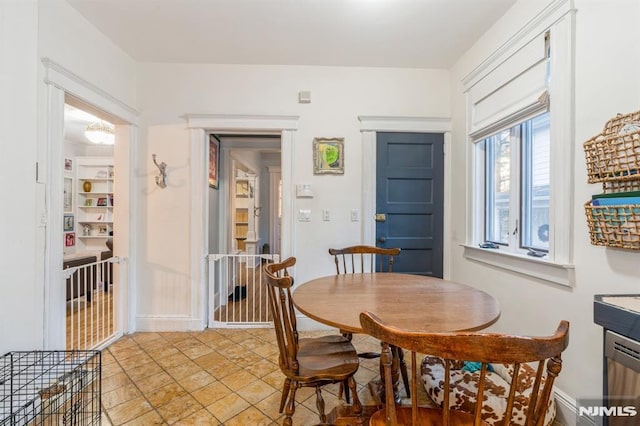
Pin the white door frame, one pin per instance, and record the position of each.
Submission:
(200, 125)
(60, 81)
(274, 184)
(369, 126)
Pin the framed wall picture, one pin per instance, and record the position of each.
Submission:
(68, 195)
(68, 222)
(102, 201)
(328, 156)
(68, 165)
(214, 161)
(70, 239)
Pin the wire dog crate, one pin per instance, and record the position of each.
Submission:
(50, 388)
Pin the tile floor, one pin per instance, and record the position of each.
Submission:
(215, 377)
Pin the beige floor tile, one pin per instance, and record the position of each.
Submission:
(211, 393)
(196, 381)
(184, 370)
(151, 418)
(270, 405)
(152, 383)
(251, 416)
(210, 360)
(173, 360)
(199, 418)
(120, 395)
(140, 372)
(139, 359)
(179, 408)
(115, 381)
(261, 368)
(161, 351)
(228, 407)
(128, 411)
(238, 380)
(256, 391)
(166, 394)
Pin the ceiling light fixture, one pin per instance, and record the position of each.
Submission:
(100, 132)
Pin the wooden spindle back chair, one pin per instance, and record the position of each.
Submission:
(362, 259)
(485, 348)
(312, 362)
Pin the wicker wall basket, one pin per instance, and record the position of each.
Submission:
(614, 155)
(614, 226)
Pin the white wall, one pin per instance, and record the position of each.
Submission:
(22, 239)
(339, 95)
(606, 82)
(29, 31)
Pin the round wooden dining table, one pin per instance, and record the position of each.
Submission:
(408, 302)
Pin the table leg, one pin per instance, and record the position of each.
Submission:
(376, 387)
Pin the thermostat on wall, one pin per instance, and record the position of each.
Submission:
(304, 190)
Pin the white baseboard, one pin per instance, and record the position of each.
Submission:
(167, 323)
(566, 409)
(307, 324)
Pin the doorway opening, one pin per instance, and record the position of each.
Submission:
(251, 215)
(89, 226)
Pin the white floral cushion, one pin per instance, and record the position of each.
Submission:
(496, 388)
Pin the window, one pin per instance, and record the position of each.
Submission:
(519, 120)
(517, 174)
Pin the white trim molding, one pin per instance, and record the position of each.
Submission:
(558, 273)
(242, 124)
(75, 85)
(369, 125)
(372, 123)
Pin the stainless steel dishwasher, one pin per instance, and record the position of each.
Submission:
(620, 317)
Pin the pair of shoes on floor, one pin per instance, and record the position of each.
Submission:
(239, 293)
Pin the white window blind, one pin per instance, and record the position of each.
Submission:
(513, 90)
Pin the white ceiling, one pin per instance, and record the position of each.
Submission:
(376, 33)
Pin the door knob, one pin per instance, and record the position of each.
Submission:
(380, 217)
(382, 239)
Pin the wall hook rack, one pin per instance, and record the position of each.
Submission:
(161, 179)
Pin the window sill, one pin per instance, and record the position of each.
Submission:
(540, 268)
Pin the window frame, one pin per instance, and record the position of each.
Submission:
(558, 18)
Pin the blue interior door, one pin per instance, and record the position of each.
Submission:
(409, 199)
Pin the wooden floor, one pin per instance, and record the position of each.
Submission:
(89, 323)
(252, 309)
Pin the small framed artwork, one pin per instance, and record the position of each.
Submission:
(214, 161)
(68, 222)
(68, 165)
(328, 156)
(88, 202)
(102, 201)
(68, 195)
(70, 239)
(102, 230)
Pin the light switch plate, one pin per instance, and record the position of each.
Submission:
(304, 215)
(355, 215)
(326, 215)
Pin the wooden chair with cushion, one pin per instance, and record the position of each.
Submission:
(368, 259)
(525, 403)
(312, 362)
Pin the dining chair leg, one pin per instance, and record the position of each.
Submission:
(344, 388)
(285, 392)
(357, 406)
(403, 369)
(291, 405)
(320, 405)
